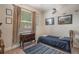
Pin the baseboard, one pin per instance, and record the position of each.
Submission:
(12, 47)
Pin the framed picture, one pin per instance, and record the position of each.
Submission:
(9, 12)
(49, 21)
(8, 20)
(67, 19)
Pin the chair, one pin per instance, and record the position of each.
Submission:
(1, 46)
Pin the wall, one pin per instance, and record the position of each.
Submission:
(6, 28)
(40, 30)
(62, 30)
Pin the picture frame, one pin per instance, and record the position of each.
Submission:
(8, 20)
(49, 21)
(66, 19)
(8, 12)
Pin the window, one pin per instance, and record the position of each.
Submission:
(26, 21)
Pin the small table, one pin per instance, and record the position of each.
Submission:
(26, 38)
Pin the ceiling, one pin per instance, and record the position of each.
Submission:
(46, 7)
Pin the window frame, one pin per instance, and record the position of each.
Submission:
(30, 22)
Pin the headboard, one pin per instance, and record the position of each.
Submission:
(71, 34)
(74, 36)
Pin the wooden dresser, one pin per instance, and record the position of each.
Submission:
(26, 38)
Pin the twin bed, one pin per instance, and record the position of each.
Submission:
(63, 43)
(56, 43)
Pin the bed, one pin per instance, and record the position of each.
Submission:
(63, 44)
(50, 45)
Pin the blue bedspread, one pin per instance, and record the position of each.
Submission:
(63, 44)
(43, 49)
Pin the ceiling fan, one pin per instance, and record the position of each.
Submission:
(54, 10)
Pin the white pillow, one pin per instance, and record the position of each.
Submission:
(45, 35)
(61, 37)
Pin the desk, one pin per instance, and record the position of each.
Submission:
(26, 38)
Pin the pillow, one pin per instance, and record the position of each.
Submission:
(45, 35)
(53, 36)
(61, 37)
(65, 39)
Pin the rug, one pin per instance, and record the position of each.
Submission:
(41, 48)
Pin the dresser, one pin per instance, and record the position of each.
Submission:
(26, 38)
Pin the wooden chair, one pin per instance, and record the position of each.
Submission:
(1, 43)
(1, 46)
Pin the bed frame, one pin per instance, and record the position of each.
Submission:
(74, 35)
(71, 38)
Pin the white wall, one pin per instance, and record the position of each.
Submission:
(6, 28)
(62, 30)
(40, 30)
